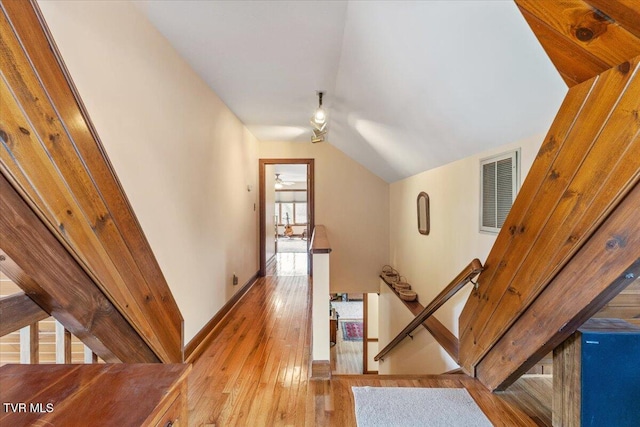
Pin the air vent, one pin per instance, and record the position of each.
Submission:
(499, 180)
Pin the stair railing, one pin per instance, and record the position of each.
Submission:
(469, 272)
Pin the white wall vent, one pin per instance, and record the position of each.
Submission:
(499, 183)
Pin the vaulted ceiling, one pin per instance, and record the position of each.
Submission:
(409, 85)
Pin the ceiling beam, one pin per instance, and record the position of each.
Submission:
(37, 262)
(624, 12)
(18, 311)
(583, 41)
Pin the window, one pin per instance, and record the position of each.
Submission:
(286, 213)
(293, 203)
(297, 213)
(300, 213)
(499, 180)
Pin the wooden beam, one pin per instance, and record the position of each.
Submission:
(597, 165)
(52, 153)
(604, 266)
(581, 41)
(624, 12)
(18, 311)
(541, 168)
(38, 263)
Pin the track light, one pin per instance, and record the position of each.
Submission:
(319, 121)
(320, 116)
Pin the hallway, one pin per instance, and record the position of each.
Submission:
(254, 372)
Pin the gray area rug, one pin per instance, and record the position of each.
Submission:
(407, 406)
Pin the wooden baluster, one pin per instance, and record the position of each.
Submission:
(67, 346)
(29, 344)
(63, 344)
(89, 356)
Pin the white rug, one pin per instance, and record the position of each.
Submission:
(407, 406)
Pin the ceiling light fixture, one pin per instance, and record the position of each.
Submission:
(279, 183)
(319, 121)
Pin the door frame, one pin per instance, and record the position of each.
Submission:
(262, 194)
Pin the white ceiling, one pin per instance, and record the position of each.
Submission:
(291, 172)
(409, 85)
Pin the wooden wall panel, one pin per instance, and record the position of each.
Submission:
(51, 153)
(624, 12)
(604, 266)
(35, 260)
(597, 165)
(541, 168)
(580, 40)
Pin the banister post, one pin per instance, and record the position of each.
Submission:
(320, 250)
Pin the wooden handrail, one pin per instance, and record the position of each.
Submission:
(445, 338)
(464, 277)
(320, 242)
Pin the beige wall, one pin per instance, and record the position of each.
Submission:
(431, 262)
(184, 159)
(353, 204)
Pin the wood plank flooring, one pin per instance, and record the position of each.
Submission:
(255, 370)
(346, 356)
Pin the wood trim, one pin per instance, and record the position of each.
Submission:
(37, 262)
(319, 241)
(18, 311)
(262, 196)
(365, 331)
(320, 370)
(445, 338)
(199, 342)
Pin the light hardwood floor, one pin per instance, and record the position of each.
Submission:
(255, 370)
(346, 356)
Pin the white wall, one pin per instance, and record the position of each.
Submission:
(372, 331)
(353, 204)
(183, 158)
(431, 262)
(269, 209)
(320, 308)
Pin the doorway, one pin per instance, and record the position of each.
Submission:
(286, 213)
